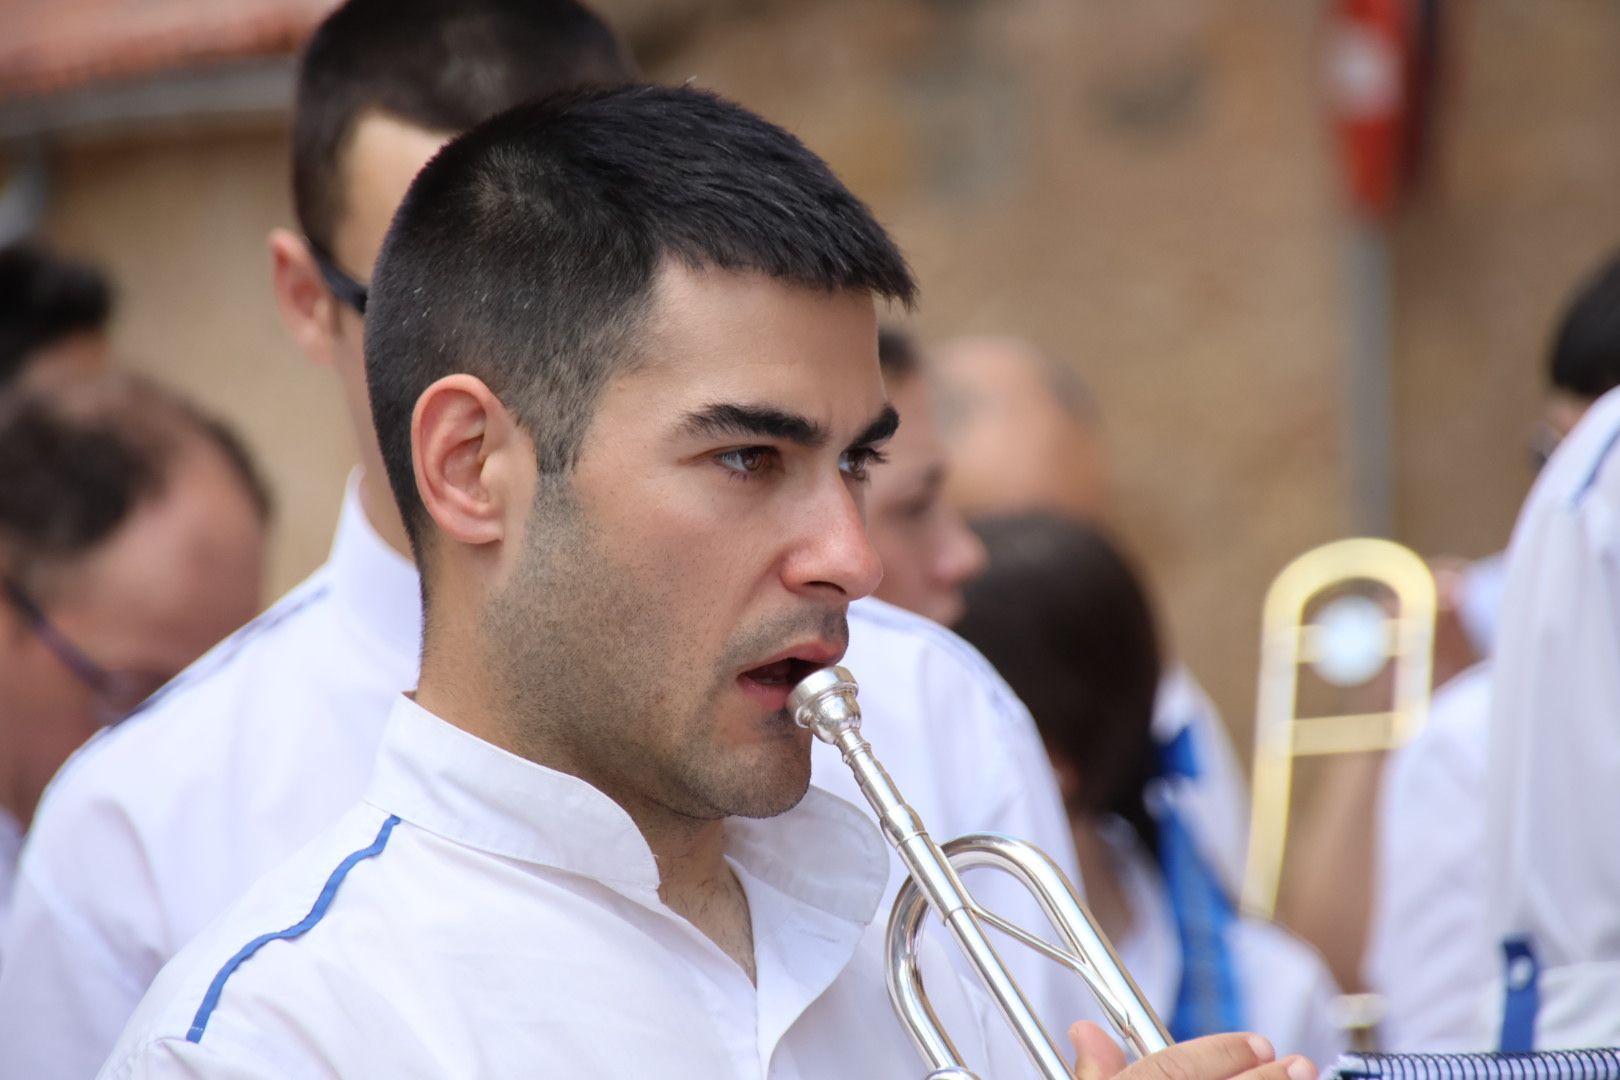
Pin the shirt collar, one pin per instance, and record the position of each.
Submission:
(375, 586)
(440, 778)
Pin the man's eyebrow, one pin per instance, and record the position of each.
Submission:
(886, 424)
(727, 420)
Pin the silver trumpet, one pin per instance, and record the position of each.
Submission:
(825, 703)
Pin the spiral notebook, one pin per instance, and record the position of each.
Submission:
(1598, 1064)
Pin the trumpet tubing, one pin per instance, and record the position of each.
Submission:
(825, 703)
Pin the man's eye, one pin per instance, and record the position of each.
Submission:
(857, 463)
(746, 460)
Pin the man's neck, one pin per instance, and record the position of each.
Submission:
(696, 882)
(694, 879)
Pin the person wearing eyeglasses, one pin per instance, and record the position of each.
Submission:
(131, 540)
(1427, 951)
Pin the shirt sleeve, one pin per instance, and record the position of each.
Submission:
(177, 1059)
(82, 944)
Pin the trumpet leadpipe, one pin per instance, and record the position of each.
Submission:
(825, 703)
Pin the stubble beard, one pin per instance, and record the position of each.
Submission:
(585, 656)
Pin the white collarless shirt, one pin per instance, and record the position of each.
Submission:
(1552, 855)
(1427, 951)
(482, 916)
(156, 826)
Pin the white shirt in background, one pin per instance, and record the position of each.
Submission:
(11, 838)
(155, 827)
(1427, 951)
(1479, 605)
(1553, 773)
(1286, 991)
(501, 919)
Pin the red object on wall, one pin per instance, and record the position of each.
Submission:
(1381, 61)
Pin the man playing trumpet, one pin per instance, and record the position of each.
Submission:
(621, 354)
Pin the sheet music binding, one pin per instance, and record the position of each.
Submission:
(1595, 1064)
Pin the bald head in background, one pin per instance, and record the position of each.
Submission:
(1021, 431)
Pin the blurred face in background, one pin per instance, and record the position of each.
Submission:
(180, 573)
(1014, 443)
(928, 551)
(76, 354)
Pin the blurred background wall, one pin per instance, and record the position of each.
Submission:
(1150, 190)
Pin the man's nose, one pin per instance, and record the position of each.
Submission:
(835, 552)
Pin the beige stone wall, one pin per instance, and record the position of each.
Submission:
(179, 218)
(1146, 189)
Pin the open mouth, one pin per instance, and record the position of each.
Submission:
(784, 673)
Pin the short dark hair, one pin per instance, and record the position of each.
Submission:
(1060, 612)
(442, 65)
(1585, 357)
(526, 252)
(898, 355)
(44, 299)
(79, 454)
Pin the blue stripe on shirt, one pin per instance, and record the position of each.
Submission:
(304, 925)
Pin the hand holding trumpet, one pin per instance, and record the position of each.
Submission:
(1213, 1057)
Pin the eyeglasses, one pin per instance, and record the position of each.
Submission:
(342, 286)
(117, 693)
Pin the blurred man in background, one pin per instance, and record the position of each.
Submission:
(928, 551)
(1551, 789)
(1428, 950)
(1583, 364)
(53, 313)
(132, 534)
(1021, 431)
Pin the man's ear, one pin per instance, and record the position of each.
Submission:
(467, 452)
(306, 305)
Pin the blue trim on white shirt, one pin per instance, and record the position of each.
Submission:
(303, 926)
(1521, 999)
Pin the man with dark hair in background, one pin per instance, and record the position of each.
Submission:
(140, 844)
(1427, 947)
(1583, 364)
(131, 539)
(629, 441)
(142, 841)
(53, 313)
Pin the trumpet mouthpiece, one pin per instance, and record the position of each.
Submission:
(824, 702)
